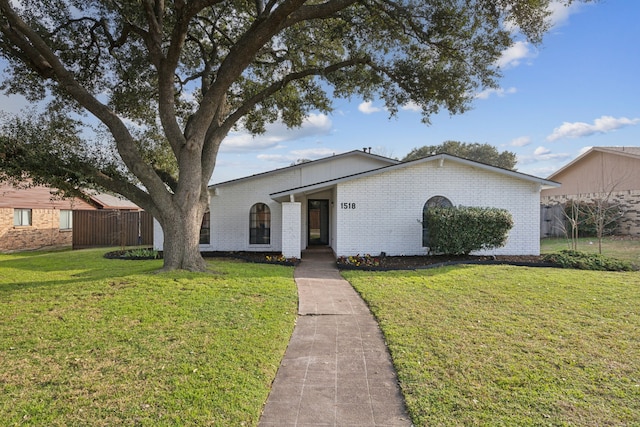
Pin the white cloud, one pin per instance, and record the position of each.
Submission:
(411, 106)
(541, 151)
(520, 141)
(541, 154)
(542, 171)
(512, 56)
(559, 15)
(277, 133)
(500, 92)
(560, 12)
(368, 108)
(604, 124)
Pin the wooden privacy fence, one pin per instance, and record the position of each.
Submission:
(111, 228)
(552, 221)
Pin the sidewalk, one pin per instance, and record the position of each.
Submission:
(336, 370)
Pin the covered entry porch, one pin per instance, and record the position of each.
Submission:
(308, 220)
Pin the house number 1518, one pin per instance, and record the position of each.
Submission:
(347, 205)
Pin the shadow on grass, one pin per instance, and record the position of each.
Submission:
(20, 271)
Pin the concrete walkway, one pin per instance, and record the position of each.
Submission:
(336, 370)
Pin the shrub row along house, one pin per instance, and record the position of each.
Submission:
(604, 179)
(361, 203)
(35, 217)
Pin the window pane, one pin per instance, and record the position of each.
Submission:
(205, 229)
(22, 217)
(66, 220)
(260, 224)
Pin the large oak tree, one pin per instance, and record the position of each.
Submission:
(168, 79)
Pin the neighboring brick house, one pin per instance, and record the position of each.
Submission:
(359, 203)
(35, 218)
(602, 173)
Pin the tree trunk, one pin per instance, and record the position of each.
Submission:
(181, 238)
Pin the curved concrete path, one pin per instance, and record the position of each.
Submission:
(336, 370)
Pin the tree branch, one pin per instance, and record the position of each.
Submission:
(217, 131)
(318, 11)
(167, 65)
(239, 57)
(49, 67)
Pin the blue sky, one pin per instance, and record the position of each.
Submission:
(580, 88)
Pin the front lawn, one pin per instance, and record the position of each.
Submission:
(90, 341)
(502, 345)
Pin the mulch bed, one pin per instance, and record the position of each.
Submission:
(382, 263)
(433, 261)
(257, 257)
(398, 262)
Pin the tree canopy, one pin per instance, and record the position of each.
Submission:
(483, 153)
(162, 82)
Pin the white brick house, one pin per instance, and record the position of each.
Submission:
(359, 203)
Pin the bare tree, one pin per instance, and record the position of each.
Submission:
(571, 213)
(598, 214)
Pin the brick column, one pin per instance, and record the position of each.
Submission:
(291, 229)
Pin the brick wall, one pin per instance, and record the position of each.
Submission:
(382, 213)
(292, 228)
(44, 231)
(377, 213)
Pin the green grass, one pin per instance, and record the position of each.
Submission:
(507, 346)
(627, 250)
(90, 341)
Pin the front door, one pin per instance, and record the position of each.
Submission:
(318, 216)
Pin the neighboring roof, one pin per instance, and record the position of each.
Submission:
(358, 153)
(632, 152)
(437, 157)
(108, 201)
(37, 197)
(41, 196)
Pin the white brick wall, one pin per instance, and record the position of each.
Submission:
(291, 229)
(388, 207)
(230, 214)
(230, 207)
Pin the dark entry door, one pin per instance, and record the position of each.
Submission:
(318, 222)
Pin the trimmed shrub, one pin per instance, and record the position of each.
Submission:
(461, 230)
(584, 261)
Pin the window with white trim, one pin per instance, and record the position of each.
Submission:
(66, 219)
(260, 224)
(21, 217)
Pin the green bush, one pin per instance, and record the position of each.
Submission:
(584, 261)
(461, 230)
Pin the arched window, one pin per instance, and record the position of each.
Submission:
(260, 224)
(434, 202)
